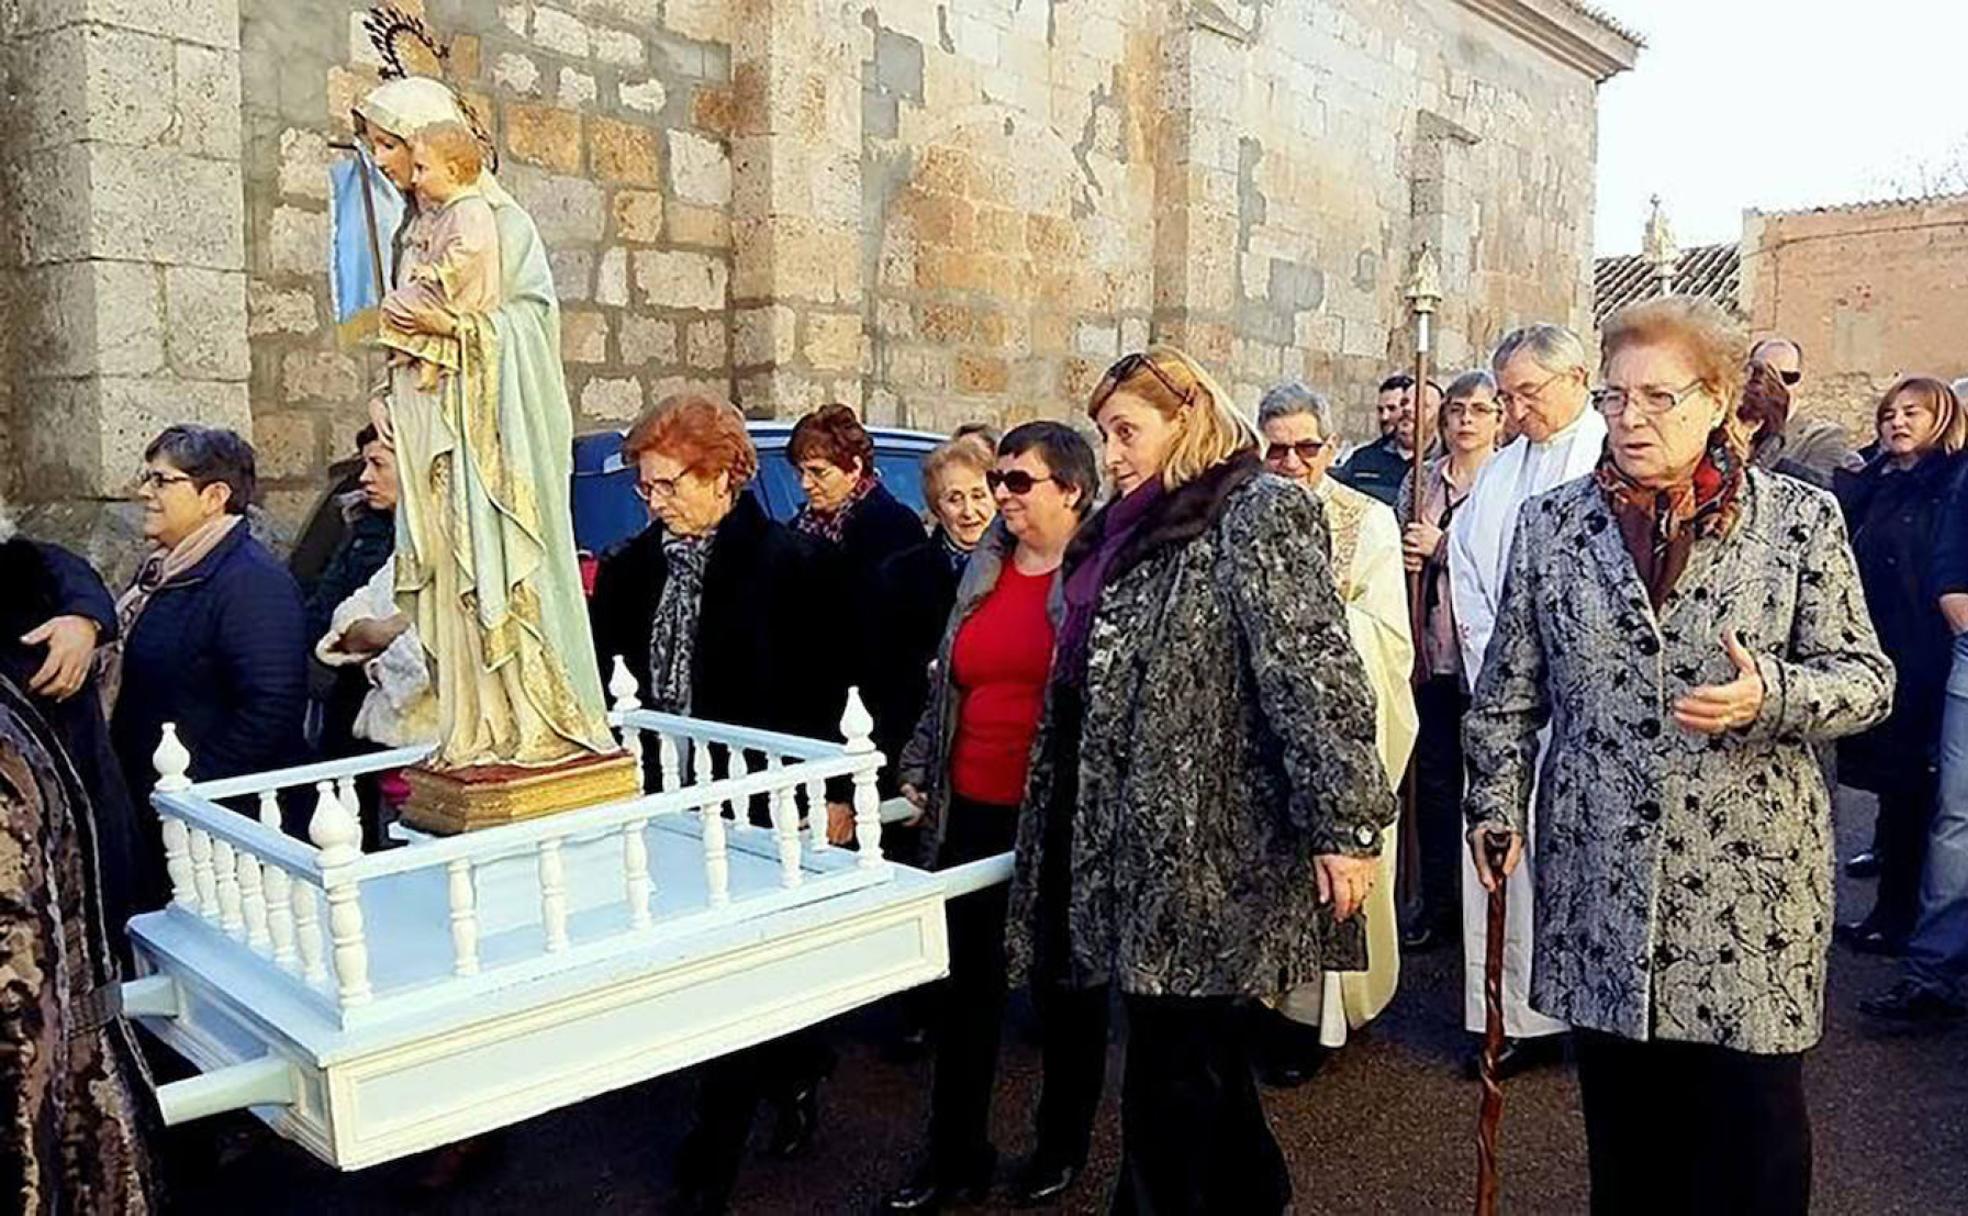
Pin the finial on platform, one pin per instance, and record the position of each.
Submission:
(622, 686)
(334, 829)
(172, 761)
(857, 725)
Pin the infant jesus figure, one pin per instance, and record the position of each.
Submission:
(450, 259)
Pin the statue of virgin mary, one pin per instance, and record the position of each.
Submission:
(485, 558)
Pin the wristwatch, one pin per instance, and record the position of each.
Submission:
(1366, 836)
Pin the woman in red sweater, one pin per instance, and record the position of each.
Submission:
(965, 770)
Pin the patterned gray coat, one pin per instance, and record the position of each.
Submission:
(1227, 739)
(1683, 880)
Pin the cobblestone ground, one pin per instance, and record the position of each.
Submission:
(1388, 1127)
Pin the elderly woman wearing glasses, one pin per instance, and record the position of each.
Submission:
(723, 614)
(1688, 627)
(214, 630)
(1205, 811)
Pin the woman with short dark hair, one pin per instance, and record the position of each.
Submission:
(214, 634)
(846, 503)
(965, 771)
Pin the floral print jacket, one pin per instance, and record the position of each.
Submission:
(1227, 739)
(1684, 881)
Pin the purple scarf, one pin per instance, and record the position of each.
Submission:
(1084, 583)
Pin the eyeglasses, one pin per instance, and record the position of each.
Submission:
(157, 479)
(1307, 450)
(1612, 401)
(1014, 481)
(1125, 368)
(1507, 397)
(664, 488)
(1472, 409)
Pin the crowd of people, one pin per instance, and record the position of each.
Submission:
(1612, 632)
(1608, 621)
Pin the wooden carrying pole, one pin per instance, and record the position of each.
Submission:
(1496, 847)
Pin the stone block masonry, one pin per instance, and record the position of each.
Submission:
(935, 211)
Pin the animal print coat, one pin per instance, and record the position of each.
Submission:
(1227, 739)
(1683, 880)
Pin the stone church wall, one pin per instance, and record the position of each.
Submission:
(936, 211)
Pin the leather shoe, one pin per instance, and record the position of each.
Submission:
(1041, 1183)
(932, 1189)
(1863, 864)
(798, 1119)
(1518, 1056)
(1865, 937)
(1289, 1070)
(1421, 938)
(1913, 1004)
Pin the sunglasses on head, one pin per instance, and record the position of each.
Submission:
(1014, 481)
(1307, 449)
(1126, 368)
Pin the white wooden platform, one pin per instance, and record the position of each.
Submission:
(372, 1006)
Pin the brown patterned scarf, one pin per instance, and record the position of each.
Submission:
(157, 569)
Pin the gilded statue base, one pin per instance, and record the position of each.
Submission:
(468, 799)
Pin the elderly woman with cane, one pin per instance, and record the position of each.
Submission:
(1689, 627)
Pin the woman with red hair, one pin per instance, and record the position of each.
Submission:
(725, 615)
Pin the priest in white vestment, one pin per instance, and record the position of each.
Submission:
(1299, 444)
(1542, 383)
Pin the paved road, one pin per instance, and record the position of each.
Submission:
(1386, 1128)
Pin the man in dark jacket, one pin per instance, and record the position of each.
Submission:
(1378, 467)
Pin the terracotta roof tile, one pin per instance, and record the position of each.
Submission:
(1711, 271)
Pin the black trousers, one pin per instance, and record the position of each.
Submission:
(1692, 1128)
(1438, 765)
(1073, 1024)
(1900, 838)
(1193, 1134)
(729, 1090)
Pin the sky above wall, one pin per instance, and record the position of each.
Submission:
(1778, 104)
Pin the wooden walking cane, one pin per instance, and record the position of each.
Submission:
(1496, 847)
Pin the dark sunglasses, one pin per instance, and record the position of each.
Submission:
(1308, 451)
(1016, 481)
(1790, 378)
(1125, 369)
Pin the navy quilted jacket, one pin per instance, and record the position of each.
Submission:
(221, 651)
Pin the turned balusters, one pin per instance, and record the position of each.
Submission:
(338, 838)
(225, 868)
(858, 726)
(252, 895)
(173, 765)
(464, 918)
(785, 827)
(717, 863)
(553, 896)
(279, 894)
(816, 816)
